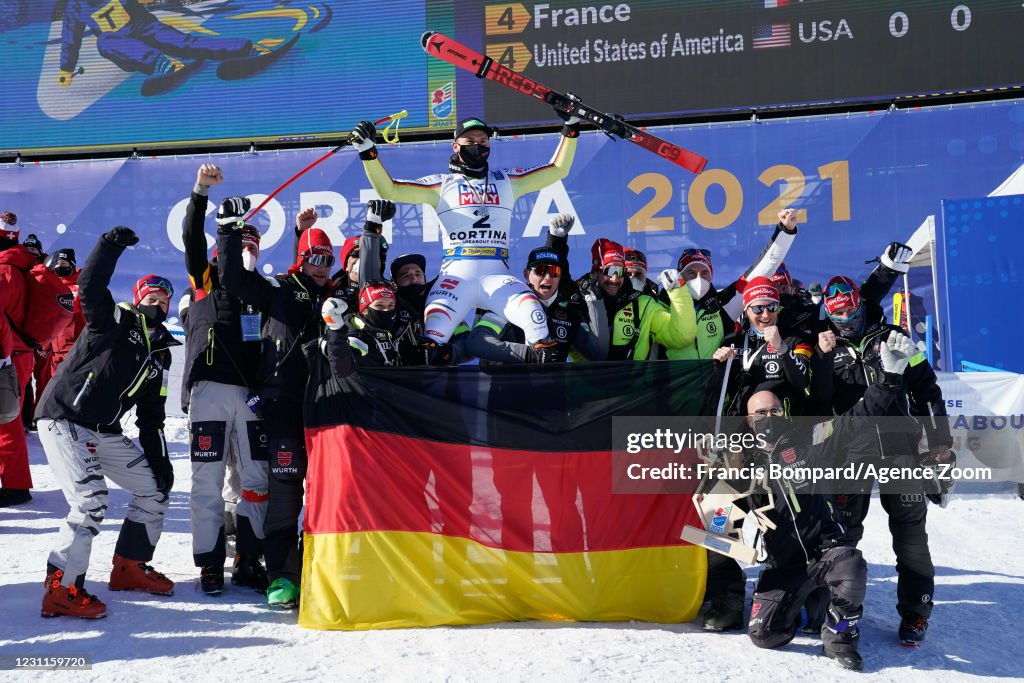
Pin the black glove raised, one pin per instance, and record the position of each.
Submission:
(362, 138)
(121, 236)
(571, 129)
(378, 211)
(232, 211)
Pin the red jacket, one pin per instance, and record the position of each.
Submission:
(14, 262)
(63, 342)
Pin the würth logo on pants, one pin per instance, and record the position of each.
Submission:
(205, 442)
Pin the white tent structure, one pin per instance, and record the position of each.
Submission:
(922, 242)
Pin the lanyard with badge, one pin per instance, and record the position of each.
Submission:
(250, 321)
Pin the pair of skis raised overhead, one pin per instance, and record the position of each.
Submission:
(450, 50)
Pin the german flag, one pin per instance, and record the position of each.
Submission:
(471, 495)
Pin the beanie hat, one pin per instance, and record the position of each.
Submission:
(841, 292)
(314, 242)
(65, 255)
(406, 259)
(349, 248)
(606, 253)
(471, 124)
(374, 290)
(691, 257)
(759, 287)
(782, 278)
(8, 221)
(32, 242)
(152, 283)
(250, 236)
(636, 259)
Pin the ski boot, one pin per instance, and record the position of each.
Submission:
(12, 497)
(913, 629)
(250, 573)
(70, 601)
(211, 580)
(132, 575)
(722, 617)
(840, 636)
(282, 594)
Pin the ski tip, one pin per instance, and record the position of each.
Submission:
(425, 38)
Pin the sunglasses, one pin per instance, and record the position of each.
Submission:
(760, 413)
(613, 271)
(547, 270)
(758, 309)
(691, 251)
(839, 288)
(320, 260)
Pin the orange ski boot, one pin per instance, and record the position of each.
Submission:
(133, 575)
(69, 601)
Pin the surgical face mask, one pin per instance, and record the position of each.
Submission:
(816, 299)
(474, 156)
(698, 287)
(353, 272)
(638, 283)
(378, 318)
(154, 314)
(248, 260)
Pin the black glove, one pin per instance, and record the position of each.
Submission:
(571, 129)
(162, 472)
(588, 289)
(897, 257)
(232, 212)
(378, 212)
(542, 352)
(121, 236)
(425, 352)
(362, 138)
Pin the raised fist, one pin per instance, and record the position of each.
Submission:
(897, 257)
(305, 220)
(827, 341)
(333, 312)
(561, 225)
(121, 236)
(669, 279)
(379, 211)
(209, 175)
(787, 219)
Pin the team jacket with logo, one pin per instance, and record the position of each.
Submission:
(290, 305)
(636, 321)
(475, 214)
(115, 365)
(759, 366)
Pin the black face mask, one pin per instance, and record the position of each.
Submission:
(414, 294)
(6, 244)
(153, 313)
(380, 319)
(771, 428)
(63, 271)
(852, 328)
(474, 156)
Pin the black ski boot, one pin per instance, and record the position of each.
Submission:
(249, 572)
(211, 580)
(840, 636)
(913, 629)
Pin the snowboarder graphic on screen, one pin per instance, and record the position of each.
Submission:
(474, 204)
(134, 39)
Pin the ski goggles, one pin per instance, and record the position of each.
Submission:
(546, 270)
(758, 309)
(761, 413)
(837, 288)
(613, 271)
(691, 251)
(326, 260)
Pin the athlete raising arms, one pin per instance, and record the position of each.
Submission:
(474, 205)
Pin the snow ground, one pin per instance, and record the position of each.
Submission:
(974, 635)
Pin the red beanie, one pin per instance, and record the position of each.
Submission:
(314, 242)
(152, 283)
(841, 292)
(250, 236)
(351, 246)
(606, 253)
(636, 259)
(374, 291)
(782, 278)
(759, 287)
(693, 257)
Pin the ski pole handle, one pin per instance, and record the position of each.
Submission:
(394, 118)
(85, 387)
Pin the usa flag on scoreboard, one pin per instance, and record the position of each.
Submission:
(771, 35)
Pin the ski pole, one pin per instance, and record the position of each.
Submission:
(393, 118)
(725, 387)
